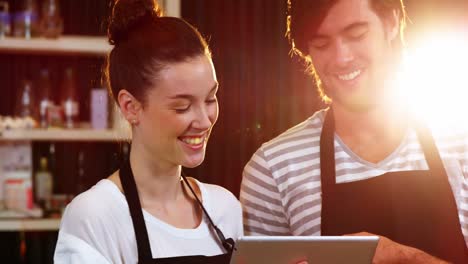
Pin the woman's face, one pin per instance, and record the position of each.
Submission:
(180, 112)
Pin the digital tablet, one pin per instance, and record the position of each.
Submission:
(314, 249)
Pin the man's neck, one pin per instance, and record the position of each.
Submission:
(373, 134)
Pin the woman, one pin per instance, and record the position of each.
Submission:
(161, 75)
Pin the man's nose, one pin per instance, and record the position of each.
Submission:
(343, 53)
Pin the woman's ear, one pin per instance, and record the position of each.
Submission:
(129, 106)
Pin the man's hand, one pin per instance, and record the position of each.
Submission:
(388, 251)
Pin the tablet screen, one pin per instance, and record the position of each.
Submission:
(314, 249)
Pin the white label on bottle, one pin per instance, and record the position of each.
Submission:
(71, 108)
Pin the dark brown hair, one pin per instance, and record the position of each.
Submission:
(304, 17)
(144, 43)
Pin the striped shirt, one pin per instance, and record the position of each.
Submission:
(281, 189)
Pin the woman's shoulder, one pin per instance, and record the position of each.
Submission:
(217, 192)
(95, 203)
(99, 217)
(219, 200)
(224, 208)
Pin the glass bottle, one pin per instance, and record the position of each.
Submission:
(51, 21)
(45, 101)
(26, 21)
(80, 181)
(25, 101)
(70, 101)
(43, 184)
(5, 25)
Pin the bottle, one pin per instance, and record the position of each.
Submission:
(43, 184)
(51, 22)
(52, 164)
(25, 101)
(80, 186)
(99, 108)
(45, 101)
(70, 102)
(26, 21)
(5, 25)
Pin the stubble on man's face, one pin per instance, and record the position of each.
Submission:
(352, 70)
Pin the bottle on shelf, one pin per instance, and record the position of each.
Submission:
(80, 186)
(70, 101)
(99, 108)
(52, 164)
(25, 101)
(45, 101)
(51, 22)
(26, 21)
(5, 24)
(43, 184)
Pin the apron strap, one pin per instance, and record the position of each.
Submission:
(228, 244)
(141, 233)
(431, 153)
(131, 194)
(327, 153)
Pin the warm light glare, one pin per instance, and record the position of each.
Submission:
(434, 81)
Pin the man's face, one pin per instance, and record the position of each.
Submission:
(351, 54)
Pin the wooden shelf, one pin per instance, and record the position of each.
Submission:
(29, 224)
(62, 135)
(65, 45)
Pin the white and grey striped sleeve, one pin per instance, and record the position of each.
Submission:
(464, 189)
(262, 206)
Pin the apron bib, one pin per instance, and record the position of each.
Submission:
(413, 208)
(141, 233)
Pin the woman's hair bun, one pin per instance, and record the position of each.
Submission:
(126, 14)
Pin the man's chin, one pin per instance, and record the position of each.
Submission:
(363, 107)
(357, 105)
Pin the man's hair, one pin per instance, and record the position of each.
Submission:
(305, 16)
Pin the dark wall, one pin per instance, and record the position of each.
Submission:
(263, 90)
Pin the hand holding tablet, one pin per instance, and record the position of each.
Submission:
(304, 249)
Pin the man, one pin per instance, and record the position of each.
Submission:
(361, 165)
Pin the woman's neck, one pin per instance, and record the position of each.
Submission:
(156, 180)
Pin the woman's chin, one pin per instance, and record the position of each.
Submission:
(193, 162)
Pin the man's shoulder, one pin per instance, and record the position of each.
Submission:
(298, 136)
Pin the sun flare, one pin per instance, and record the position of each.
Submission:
(434, 80)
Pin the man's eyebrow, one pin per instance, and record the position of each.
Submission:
(355, 26)
(346, 29)
(318, 36)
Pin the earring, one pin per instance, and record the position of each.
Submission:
(134, 122)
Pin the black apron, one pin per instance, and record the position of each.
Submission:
(414, 208)
(141, 234)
